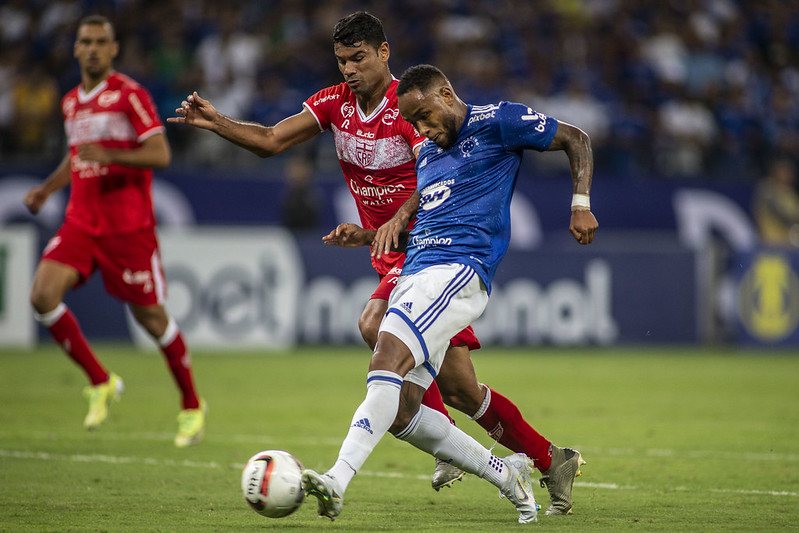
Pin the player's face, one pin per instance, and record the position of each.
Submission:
(364, 67)
(432, 115)
(95, 49)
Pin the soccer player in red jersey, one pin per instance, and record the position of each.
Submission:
(376, 149)
(115, 139)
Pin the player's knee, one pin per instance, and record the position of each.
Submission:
(467, 400)
(43, 301)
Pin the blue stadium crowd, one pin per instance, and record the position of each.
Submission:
(667, 89)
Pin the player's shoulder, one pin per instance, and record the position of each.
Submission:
(123, 82)
(334, 93)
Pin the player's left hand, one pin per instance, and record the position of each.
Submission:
(387, 236)
(348, 236)
(583, 225)
(94, 153)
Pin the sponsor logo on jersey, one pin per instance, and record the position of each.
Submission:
(423, 242)
(108, 98)
(373, 194)
(326, 98)
(532, 115)
(436, 194)
(477, 117)
(406, 306)
(467, 146)
(390, 116)
(367, 134)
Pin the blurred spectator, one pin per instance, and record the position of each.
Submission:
(776, 204)
(300, 203)
(36, 112)
(681, 88)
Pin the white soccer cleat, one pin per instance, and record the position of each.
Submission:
(519, 487)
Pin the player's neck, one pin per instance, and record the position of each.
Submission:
(369, 103)
(90, 82)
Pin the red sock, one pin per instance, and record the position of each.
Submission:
(179, 361)
(432, 399)
(65, 330)
(504, 423)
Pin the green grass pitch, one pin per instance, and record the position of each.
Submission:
(676, 439)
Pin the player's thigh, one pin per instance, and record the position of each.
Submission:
(369, 321)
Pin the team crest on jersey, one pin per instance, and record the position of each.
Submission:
(364, 151)
(108, 98)
(467, 146)
(390, 116)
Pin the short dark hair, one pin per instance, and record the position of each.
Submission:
(359, 27)
(99, 20)
(419, 77)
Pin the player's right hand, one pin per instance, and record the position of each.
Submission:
(195, 111)
(35, 199)
(349, 236)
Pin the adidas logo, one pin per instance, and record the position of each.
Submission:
(406, 306)
(363, 423)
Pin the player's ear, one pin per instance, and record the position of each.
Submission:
(383, 52)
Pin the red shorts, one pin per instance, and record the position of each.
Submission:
(387, 284)
(130, 263)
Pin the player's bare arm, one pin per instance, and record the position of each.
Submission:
(263, 141)
(388, 235)
(154, 152)
(349, 235)
(58, 179)
(577, 145)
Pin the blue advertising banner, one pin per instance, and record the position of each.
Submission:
(264, 288)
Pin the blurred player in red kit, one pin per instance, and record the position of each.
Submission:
(115, 139)
(376, 149)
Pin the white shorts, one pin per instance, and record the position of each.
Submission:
(427, 309)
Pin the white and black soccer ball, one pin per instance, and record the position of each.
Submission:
(272, 483)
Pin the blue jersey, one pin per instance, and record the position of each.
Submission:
(465, 192)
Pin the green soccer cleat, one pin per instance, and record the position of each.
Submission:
(559, 479)
(324, 488)
(100, 398)
(191, 425)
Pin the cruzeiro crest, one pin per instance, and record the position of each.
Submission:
(468, 145)
(768, 298)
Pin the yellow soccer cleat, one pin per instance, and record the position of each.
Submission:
(100, 398)
(191, 426)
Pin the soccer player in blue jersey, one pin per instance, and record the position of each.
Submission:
(466, 173)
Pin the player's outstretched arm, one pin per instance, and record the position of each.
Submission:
(263, 141)
(350, 235)
(577, 145)
(36, 197)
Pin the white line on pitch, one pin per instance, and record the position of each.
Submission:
(47, 456)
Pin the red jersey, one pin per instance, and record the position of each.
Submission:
(118, 114)
(375, 153)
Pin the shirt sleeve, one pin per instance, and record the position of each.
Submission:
(142, 114)
(322, 104)
(523, 128)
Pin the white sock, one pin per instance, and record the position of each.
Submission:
(369, 423)
(432, 432)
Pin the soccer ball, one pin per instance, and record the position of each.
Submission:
(272, 483)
